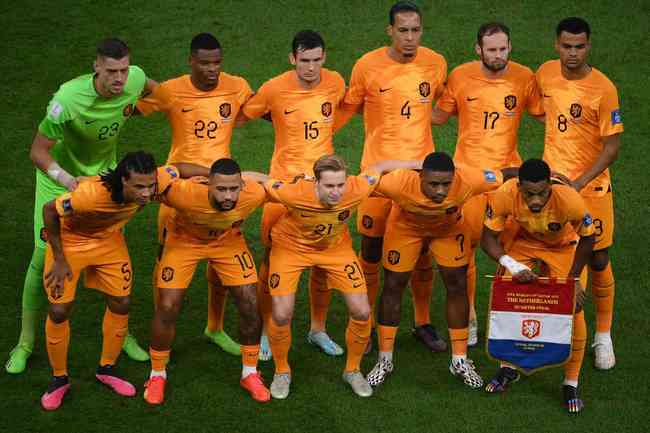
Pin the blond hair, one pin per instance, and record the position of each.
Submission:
(329, 163)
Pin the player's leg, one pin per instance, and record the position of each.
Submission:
(57, 331)
(320, 297)
(422, 280)
(602, 279)
(34, 301)
(217, 294)
(176, 268)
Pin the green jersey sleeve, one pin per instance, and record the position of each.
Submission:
(58, 112)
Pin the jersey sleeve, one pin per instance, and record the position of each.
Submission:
(59, 111)
(278, 191)
(158, 100)
(443, 78)
(580, 218)
(356, 93)
(258, 105)
(390, 184)
(534, 104)
(496, 211)
(609, 112)
(80, 200)
(447, 102)
(137, 78)
(166, 175)
(367, 182)
(482, 180)
(245, 92)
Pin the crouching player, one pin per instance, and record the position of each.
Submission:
(314, 233)
(84, 234)
(205, 226)
(428, 213)
(551, 218)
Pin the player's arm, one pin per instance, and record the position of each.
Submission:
(493, 248)
(187, 170)
(439, 116)
(509, 173)
(40, 155)
(391, 165)
(580, 259)
(609, 154)
(256, 177)
(60, 269)
(344, 113)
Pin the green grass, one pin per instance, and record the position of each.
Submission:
(49, 43)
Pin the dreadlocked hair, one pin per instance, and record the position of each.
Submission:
(133, 162)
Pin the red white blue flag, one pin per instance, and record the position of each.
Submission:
(530, 324)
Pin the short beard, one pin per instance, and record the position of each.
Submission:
(494, 68)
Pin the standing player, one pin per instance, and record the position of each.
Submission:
(489, 97)
(201, 109)
(84, 233)
(78, 137)
(205, 226)
(583, 124)
(314, 233)
(302, 104)
(550, 219)
(428, 212)
(395, 87)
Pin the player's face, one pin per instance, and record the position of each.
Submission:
(139, 188)
(111, 75)
(573, 49)
(224, 190)
(206, 67)
(535, 194)
(406, 33)
(495, 51)
(308, 64)
(331, 187)
(435, 184)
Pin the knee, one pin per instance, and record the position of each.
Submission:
(371, 249)
(58, 313)
(281, 317)
(599, 260)
(168, 310)
(360, 312)
(120, 305)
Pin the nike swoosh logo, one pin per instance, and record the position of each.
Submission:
(458, 258)
(248, 275)
(186, 110)
(471, 99)
(306, 215)
(384, 90)
(547, 96)
(289, 111)
(88, 122)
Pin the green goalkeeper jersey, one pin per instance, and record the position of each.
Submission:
(86, 125)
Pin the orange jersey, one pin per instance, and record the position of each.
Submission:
(425, 216)
(89, 213)
(195, 218)
(303, 120)
(201, 122)
(564, 215)
(397, 100)
(578, 114)
(310, 225)
(489, 112)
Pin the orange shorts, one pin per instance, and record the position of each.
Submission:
(340, 263)
(558, 260)
(270, 215)
(228, 256)
(403, 246)
(602, 211)
(372, 215)
(105, 263)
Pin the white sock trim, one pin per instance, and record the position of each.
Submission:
(155, 373)
(386, 356)
(246, 370)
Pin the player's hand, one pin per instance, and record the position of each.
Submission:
(525, 276)
(55, 278)
(561, 178)
(581, 296)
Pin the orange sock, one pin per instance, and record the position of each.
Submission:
(216, 300)
(386, 336)
(264, 301)
(458, 338)
(280, 342)
(58, 340)
(319, 298)
(159, 359)
(356, 339)
(578, 342)
(371, 273)
(602, 287)
(114, 329)
(421, 289)
(471, 285)
(249, 355)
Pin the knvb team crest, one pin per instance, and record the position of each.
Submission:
(225, 109)
(326, 109)
(530, 328)
(274, 281)
(344, 215)
(393, 257)
(167, 274)
(425, 89)
(576, 110)
(510, 102)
